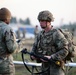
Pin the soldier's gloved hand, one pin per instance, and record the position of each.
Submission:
(24, 51)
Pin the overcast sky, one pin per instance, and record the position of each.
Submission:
(61, 9)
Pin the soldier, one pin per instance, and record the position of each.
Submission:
(18, 32)
(8, 44)
(24, 33)
(36, 31)
(52, 44)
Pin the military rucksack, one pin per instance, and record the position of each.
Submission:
(72, 47)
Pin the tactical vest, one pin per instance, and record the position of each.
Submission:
(45, 44)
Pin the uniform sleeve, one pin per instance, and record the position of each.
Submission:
(34, 48)
(10, 40)
(61, 44)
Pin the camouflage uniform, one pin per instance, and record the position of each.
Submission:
(7, 47)
(8, 44)
(54, 44)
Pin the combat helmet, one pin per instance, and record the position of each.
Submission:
(45, 15)
(5, 14)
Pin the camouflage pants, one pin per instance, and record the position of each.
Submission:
(12, 72)
(8, 74)
(54, 70)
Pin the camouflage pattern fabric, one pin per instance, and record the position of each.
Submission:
(54, 44)
(8, 45)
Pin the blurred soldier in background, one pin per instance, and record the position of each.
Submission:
(8, 44)
(24, 33)
(52, 44)
(36, 31)
(18, 32)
